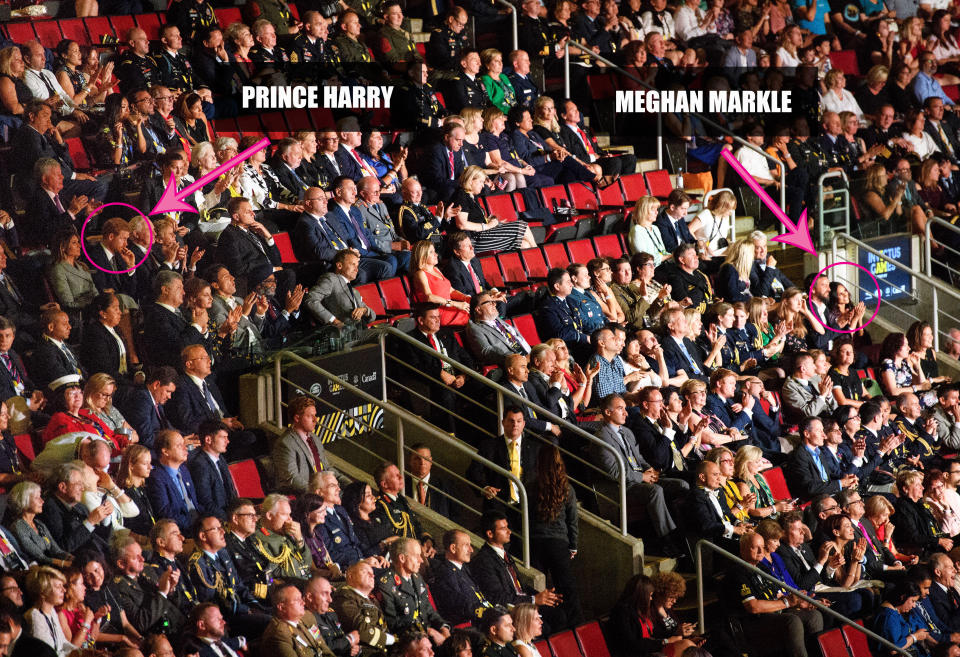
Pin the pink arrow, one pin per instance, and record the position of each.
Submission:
(172, 200)
(797, 234)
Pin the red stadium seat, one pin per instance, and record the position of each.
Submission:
(856, 641)
(48, 33)
(247, 479)
(527, 328)
(226, 128)
(659, 183)
(543, 647)
(501, 206)
(535, 264)
(322, 119)
(583, 197)
(608, 246)
(122, 25)
(777, 484)
(250, 124)
(24, 442)
(952, 91)
(612, 195)
(274, 125)
(556, 255)
(581, 251)
(394, 295)
(633, 187)
(514, 274)
(832, 643)
(491, 272)
(554, 196)
(371, 296)
(285, 247)
(601, 87)
(149, 23)
(846, 61)
(81, 161)
(227, 15)
(565, 644)
(297, 120)
(21, 32)
(75, 30)
(97, 27)
(592, 643)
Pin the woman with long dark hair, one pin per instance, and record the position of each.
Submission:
(920, 339)
(900, 371)
(553, 537)
(374, 535)
(121, 138)
(631, 620)
(310, 512)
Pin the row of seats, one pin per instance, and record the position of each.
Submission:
(584, 641)
(844, 642)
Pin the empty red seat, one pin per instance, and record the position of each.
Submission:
(48, 33)
(592, 643)
(274, 125)
(322, 119)
(513, 272)
(952, 91)
(250, 124)
(556, 255)
(75, 30)
(285, 247)
(527, 328)
(247, 479)
(297, 120)
(612, 195)
(371, 296)
(608, 246)
(121, 25)
(832, 643)
(501, 206)
(149, 23)
(581, 251)
(78, 153)
(857, 641)
(227, 15)
(534, 263)
(564, 644)
(583, 197)
(491, 272)
(395, 298)
(777, 483)
(658, 182)
(543, 648)
(21, 32)
(554, 196)
(846, 61)
(97, 27)
(601, 86)
(633, 187)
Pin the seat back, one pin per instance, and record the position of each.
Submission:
(75, 30)
(846, 61)
(601, 87)
(633, 187)
(250, 124)
(491, 272)
(612, 194)
(512, 268)
(97, 27)
(556, 255)
(608, 246)
(554, 196)
(501, 206)
(582, 196)
(297, 120)
(48, 33)
(581, 251)
(543, 648)
(227, 15)
(527, 328)
(247, 479)
(592, 643)
(24, 442)
(832, 643)
(777, 483)
(21, 32)
(274, 124)
(394, 294)
(149, 23)
(533, 261)
(371, 296)
(856, 641)
(285, 247)
(658, 182)
(564, 644)
(78, 153)
(122, 24)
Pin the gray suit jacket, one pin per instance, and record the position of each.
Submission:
(799, 402)
(247, 338)
(380, 226)
(331, 297)
(73, 286)
(32, 543)
(293, 463)
(948, 431)
(487, 345)
(605, 460)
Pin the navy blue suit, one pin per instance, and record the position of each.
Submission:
(729, 286)
(215, 489)
(119, 283)
(167, 334)
(435, 174)
(373, 266)
(766, 429)
(804, 479)
(143, 414)
(725, 414)
(526, 90)
(341, 539)
(460, 279)
(7, 389)
(167, 498)
(666, 227)
(556, 319)
(457, 596)
(49, 362)
(762, 278)
(946, 606)
(187, 407)
(348, 165)
(676, 360)
(315, 239)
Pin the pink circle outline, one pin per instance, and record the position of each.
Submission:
(83, 244)
(810, 297)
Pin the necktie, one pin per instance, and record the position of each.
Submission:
(74, 363)
(122, 368)
(315, 453)
(422, 493)
(58, 204)
(693, 363)
(358, 229)
(160, 416)
(453, 169)
(523, 393)
(626, 452)
(211, 402)
(8, 363)
(367, 170)
(586, 141)
(803, 560)
(476, 279)
(943, 136)
(513, 573)
(46, 83)
(954, 597)
(819, 464)
(678, 461)
(225, 477)
(514, 451)
(186, 495)
(335, 240)
(505, 332)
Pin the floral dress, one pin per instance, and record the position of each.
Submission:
(902, 376)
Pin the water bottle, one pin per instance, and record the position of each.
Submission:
(680, 179)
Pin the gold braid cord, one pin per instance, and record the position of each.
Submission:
(404, 527)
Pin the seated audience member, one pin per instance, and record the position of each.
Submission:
(135, 467)
(71, 525)
(170, 486)
(197, 398)
(710, 514)
(489, 338)
(378, 223)
(54, 358)
(46, 586)
(942, 596)
(37, 544)
(416, 221)
(292, 627)
(247, 248)
(339, 524)
(69, 276)
(900, 372)
(678, 350)
(946, 412)
(374, 535)
(765, 279)
(241, 525)
(332, 300)
(733, 279)
(317, 596)
(359, 611)
(549, 382)
(298, 454)
(894, 620)
(279, 543)
(669, 448)
(429, 285)
(688, 284)
(143, 406)
(583, 301)
(208, 469)
(164, 328)
(405, 596)
(916, 530)
(487, 232)
(308, 511)
(805, 394)
(806, 472)
(108, 340)
(556, 317)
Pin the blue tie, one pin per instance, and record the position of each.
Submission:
(693, 363)
(358, 229)
(186, 495)
(819, 464)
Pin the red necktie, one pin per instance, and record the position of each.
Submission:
(476, 281)
(317, 463)
(513, 573)
(422, 493)
(586, 142)
(434, 343)
(452, 168)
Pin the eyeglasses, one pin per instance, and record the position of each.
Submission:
(830, 508)
(163, 98)
(247, 515)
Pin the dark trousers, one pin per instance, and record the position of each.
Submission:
(552, 556)
(375, 268)
(782, 633)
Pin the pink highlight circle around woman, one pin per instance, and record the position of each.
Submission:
(810, 298)
(83, 244)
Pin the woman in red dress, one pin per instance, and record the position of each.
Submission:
(431, 286)
(69, 420)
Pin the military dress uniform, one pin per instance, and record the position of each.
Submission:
(280, 556)
(445, 48)
(397, 46)
(184, 595)
(315, 61)
(361, 613)
(136, 72)
(191, 17)
(695, 286)
(333, 634)
(465, 92)
(248, 565)
(418, 106)
(281, 639)
(147, 610)
(176, 72)
(417, 223)
(351, 50)
(496, 650)
(263, 59)
(398, 513)
(406, 604)
(217, 580)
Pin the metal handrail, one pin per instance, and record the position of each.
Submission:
(703, 119)
(513, 17)
(406, 416)
(820, 197)
(502, 393)
(919, 275)
(928, 264)
(698, 558)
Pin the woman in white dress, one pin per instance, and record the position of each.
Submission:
(48, 587)
(837, 98)
(920, 139)
(712, 225)
(527, 626)
(643, 236)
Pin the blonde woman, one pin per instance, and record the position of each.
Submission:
(643, 236)
(527, 626)
(837, 98)
(48, 587)
(485, 231)
(695, 330)
(737, 502)
(14, 93)
(135, 467)
(499, 89)
(546, 125)
(431, 286)
(712, 225)
(694, 394)
(746, 472)
(476, 152)
(793, 311)
(733, 279)
(99, 409)
(500, 149)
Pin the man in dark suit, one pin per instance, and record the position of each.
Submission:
(660, 445)
(456, 594)
(939, 128)
(288, 157)
(208, 468)
(463, 270)
(514, 452)
(53, 210)
(688, 284)
(707, 514)
(53, 357)
(316, 241)
(765, 279)
(113, 254)
(671, 221)
(143, 406)
(495, 572)
(444, 163)
(337, 529)
(164, 327)
(70, 523)
(208, 629)
(348, 164)
(556, 319)
(720, 400)
(516, 379)
(585, 148)
(14, 381)
(346, 216)
(766, 423)
(428, 489)
(173, 163)
(545, 377)
(197, 397)
(678, 350)
(806, 473)
(247, 248)
(13, 308)
(943, 596)
(170, 485)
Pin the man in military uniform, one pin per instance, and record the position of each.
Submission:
(405, 598)
(314, 56)
(337, 529)
(497, 628)
(214, 577)
(394, 44)
(267, 56)
(837, 157)
(466, 89)
(148, 608)
(393, 507)
(377, 221)
(191, 16)
(316, 598)
(176, 72)
(136, 70)
(416, 102)
(523, 86)
(415, 221)
(355, 58)
(292, 631)
(688, 284)
(167, 543)
(457, 596)
(279, 14)
(242, 517)
(534, 35)
(556, 317)
(447, 44)
(359, 612)
(278, 541)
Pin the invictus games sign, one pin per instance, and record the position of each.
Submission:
(341, 413)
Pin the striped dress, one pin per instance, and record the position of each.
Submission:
(503, 237)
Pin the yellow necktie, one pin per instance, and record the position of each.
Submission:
(515, 470)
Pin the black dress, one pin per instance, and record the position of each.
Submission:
(140, 524)
(503, 237)
(24, 95)
(370, 534)
(850, 384)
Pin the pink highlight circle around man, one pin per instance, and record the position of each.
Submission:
(83, 244)
(810, 298)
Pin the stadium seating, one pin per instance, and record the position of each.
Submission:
(246, 478)
(591, 640)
